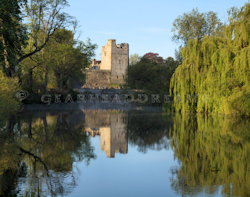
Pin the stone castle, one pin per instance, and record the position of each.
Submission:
(112, 67)
(111, 127)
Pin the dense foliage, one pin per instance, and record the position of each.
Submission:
(195, 25)
(38, 51)
(8, 89)
(13, 34)
(150, 77)
(216, 69)
(60, 62)
(213, 152)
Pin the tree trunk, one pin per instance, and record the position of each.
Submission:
(58, 81)
(45, 78)
(64, 84)
(59, 84)
(30, 79)
(5, 53)
(45, 73)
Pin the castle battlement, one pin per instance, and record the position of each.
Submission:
(123, 46)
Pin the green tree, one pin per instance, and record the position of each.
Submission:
(178, 55)
(8, 89)
(171, 64)
(151, 77)
(60, 64)
(216, 69)
(134, 58)
(13, 34)
(195, 25)
(45, 16)
(41, 15)
(69, 58)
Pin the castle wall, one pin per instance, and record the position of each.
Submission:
(119, 63)
(106, 54)
(98, 76)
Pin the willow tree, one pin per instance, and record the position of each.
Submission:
(214, 74)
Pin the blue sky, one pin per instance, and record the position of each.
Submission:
(144, 24)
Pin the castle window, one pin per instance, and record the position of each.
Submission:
(117, 77)
(123, 76)
(104, 53)
(119, 61)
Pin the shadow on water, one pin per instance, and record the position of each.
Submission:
(38, 149)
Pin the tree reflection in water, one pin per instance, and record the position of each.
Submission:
(214, 152)
(149, 131)
(38, 150)
(42, 148)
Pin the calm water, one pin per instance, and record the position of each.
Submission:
(123, 153)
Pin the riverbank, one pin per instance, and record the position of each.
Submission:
(95, 105)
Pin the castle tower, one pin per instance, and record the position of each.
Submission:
(107, 54)
(115, 60)
(119, 63)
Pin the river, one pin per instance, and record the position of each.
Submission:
(121, 151)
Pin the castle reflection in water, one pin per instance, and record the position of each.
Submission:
(110, 125)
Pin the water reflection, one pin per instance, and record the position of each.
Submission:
(149, 131)
(215, 155)
(111, 127)
(39, 150)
